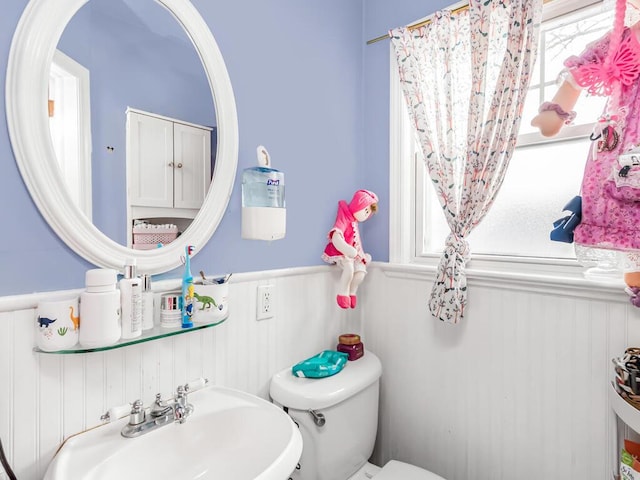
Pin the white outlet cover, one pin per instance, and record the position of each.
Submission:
(265, 304)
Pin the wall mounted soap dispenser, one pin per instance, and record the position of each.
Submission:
(263, 205)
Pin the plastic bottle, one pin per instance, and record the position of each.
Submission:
(263, 186)
(131, 301)
(100, 308)
(147, 303)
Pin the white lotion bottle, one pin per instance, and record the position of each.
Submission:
(131, 301)
(100, 309)
(147, 303)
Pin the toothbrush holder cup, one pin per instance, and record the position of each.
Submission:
(211, 302)
(57, 324)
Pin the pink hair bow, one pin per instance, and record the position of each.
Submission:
(624, 67)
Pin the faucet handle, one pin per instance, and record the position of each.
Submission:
(182, 391)
(137, 415)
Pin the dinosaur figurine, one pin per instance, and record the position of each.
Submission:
(45, 322)
(206, 301)
(75, 320)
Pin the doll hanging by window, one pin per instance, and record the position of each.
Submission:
(610, 66)
(345, 245)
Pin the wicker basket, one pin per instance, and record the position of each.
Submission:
(147, 238)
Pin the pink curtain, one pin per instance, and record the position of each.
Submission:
(465, 78)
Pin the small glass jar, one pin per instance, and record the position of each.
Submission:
(170, 310)
(350, 344)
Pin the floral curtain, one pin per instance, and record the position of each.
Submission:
(464, 78)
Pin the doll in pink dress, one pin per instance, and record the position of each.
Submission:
(345, 245)
(610, 187)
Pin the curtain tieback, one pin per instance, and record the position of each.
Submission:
(448, 295)
(456, 246)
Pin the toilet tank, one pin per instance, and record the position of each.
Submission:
(348, 403)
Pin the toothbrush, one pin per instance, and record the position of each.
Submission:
(187, 289)
(225, 279)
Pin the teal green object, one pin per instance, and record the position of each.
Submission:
(187, 289)
(324, 364)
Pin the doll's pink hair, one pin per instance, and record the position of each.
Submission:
(618, 29)
(621, 65)
(614, 43)
(362, 199)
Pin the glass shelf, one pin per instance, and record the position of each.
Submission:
(147, 335)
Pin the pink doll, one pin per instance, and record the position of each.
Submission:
(610, 188)
(345, 246)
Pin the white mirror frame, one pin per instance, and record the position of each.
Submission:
(32, 49)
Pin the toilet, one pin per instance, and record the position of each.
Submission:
(338, 420)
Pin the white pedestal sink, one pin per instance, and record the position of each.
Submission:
(231, 435)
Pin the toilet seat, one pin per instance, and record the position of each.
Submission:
(395, 470)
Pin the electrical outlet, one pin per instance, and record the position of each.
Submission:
(266, 302)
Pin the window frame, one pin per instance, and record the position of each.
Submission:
(407, 219)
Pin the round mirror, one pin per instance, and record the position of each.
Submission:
(127, 95)
(28, 108)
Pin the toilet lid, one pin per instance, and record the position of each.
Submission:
(316, 393)
(395, 470)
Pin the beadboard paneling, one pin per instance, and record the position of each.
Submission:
(46, 398)
(518, 390)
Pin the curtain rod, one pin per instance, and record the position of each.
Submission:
(426, 21)
(419, 24)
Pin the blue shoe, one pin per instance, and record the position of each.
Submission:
(564, 227)
(574, 205)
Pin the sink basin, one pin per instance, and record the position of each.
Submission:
(231, 435)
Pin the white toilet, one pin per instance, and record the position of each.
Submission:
(338, 420)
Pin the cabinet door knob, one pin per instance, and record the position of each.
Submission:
(179, 165)
(171, 164)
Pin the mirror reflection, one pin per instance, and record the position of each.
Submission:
(132, 119)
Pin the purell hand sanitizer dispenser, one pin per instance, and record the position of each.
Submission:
(264, 216)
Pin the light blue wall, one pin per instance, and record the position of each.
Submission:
(306, 87)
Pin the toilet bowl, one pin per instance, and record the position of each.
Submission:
(338, 420)
(394, 470)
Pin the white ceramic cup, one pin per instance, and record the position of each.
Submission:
(57, 323)
(211, 302)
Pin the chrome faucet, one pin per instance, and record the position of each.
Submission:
(175, 410)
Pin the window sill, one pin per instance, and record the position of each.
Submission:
(561, 278)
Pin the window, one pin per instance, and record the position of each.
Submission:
(544, 173)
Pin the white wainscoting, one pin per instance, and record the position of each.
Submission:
(45, 398)
(517, 391)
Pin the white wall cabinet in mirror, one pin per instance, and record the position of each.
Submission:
(34, 42)
(168, 170)
(168, 162)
